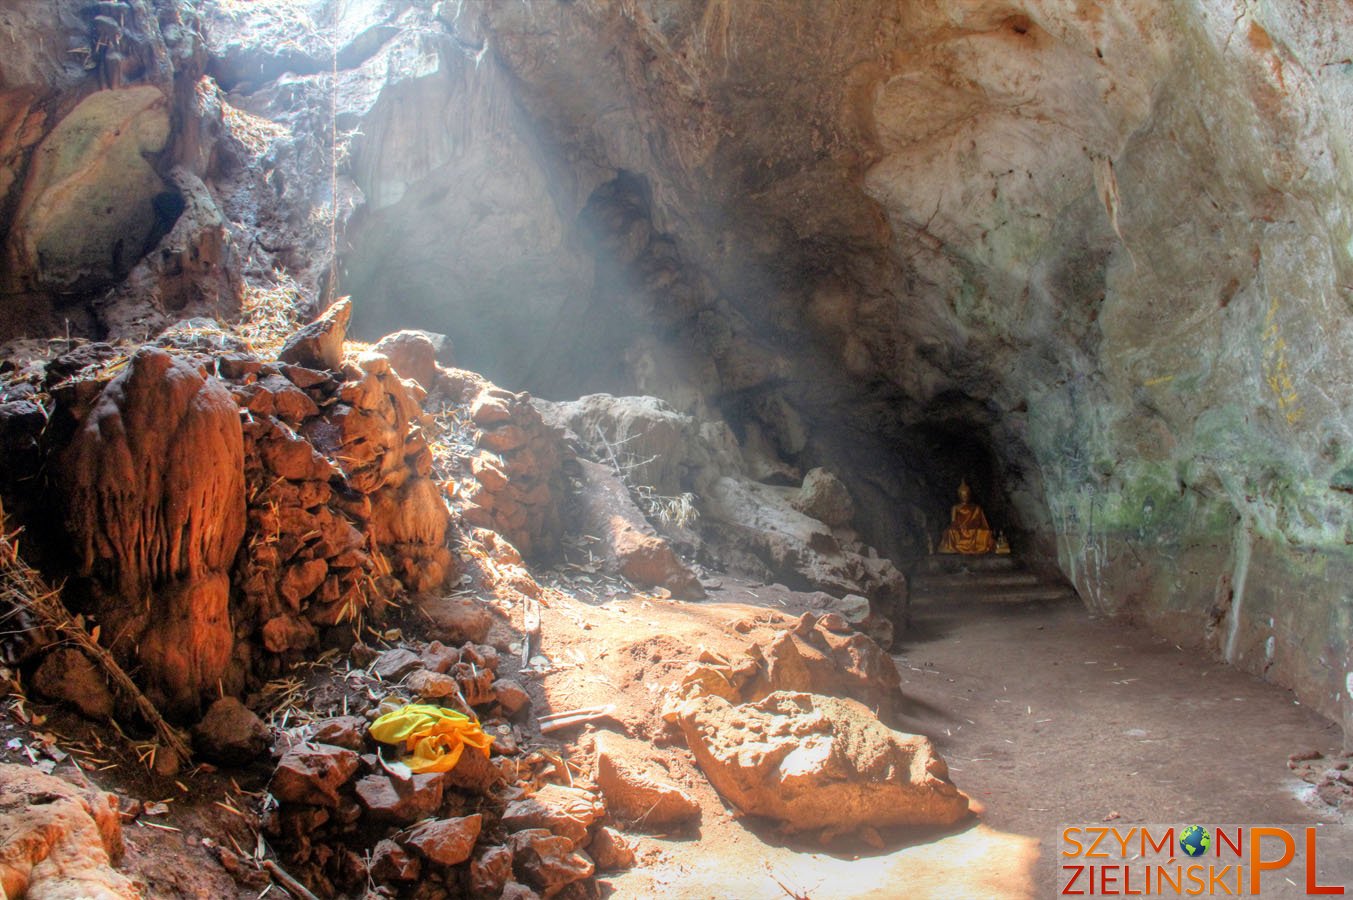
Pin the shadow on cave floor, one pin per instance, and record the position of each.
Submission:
(1049, 715)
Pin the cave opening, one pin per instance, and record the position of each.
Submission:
(958, 452)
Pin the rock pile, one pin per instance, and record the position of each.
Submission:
(515, 482)
(349, 814)
(342, 511)
(1332, 777)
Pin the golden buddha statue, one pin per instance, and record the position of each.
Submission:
(968, 531)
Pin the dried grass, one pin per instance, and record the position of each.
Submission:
(268, 314)
(254, 132)
(679, 510)
(24, 593)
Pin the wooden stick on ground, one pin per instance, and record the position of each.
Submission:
(530, 630)
(24, 588)
(289, 884)
(563, 720)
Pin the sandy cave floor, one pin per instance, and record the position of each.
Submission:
(1046, 715)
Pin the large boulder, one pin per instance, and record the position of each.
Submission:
(825, 498)
(819, 764)
(758, 528)
(629, 544)
(86, 212)
(57, 841)
(154, 487)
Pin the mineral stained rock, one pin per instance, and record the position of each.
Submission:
(154, 488)
(57, 840)
(819, 764)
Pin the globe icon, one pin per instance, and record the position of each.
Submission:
(1195, 839)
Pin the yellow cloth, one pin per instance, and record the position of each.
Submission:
(968, 532)
(434, 735)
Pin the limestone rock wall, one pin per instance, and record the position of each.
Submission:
(98, 103)
(1110, 241)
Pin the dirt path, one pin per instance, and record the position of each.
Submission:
(1046, 716)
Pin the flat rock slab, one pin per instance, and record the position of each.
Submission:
(635, 791)
(815, 763)
(565, 811)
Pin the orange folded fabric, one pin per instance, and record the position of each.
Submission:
(435, 737)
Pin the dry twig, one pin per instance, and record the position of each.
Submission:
(290, 884)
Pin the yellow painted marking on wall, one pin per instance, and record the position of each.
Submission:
(1277, 374)
(1163, 379)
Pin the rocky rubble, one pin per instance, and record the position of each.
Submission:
(819, 654)
(515, 482)
(1330, 776)
(758, 529)
(487, 828)
(799, 535)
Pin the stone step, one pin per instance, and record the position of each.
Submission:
(1036, 594)
(957, 562)
(976, 581)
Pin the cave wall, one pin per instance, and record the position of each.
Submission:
(104, 137)
(1113, 235)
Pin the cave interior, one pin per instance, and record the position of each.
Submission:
(787, 273)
